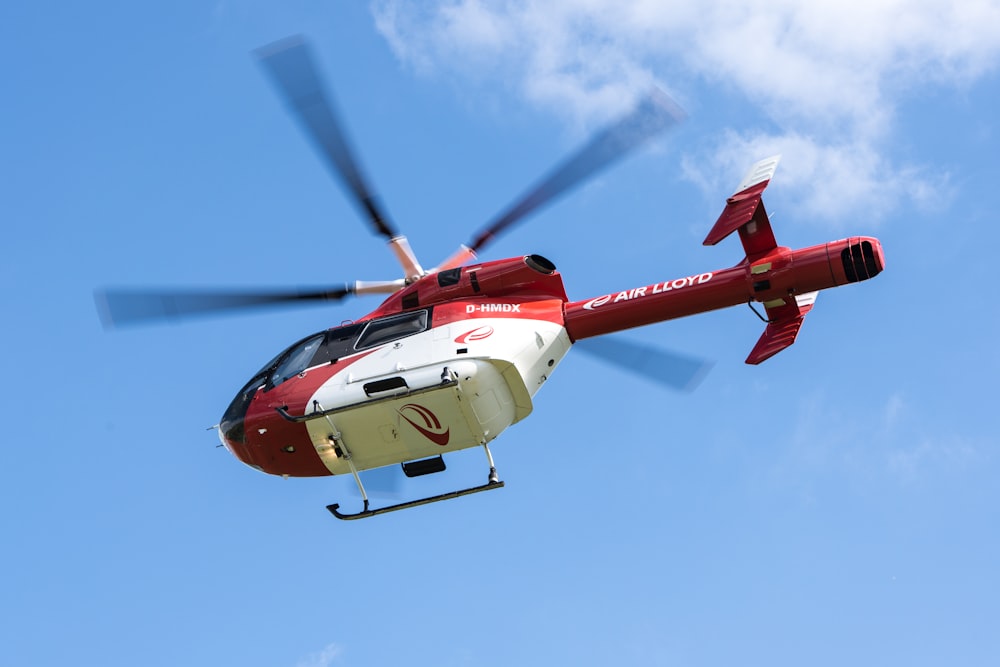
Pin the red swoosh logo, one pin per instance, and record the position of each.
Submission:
(476, 334)
(431, 428)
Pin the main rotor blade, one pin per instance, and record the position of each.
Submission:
(122, 307)
(655, 113)
(292, 69)
(669, 369)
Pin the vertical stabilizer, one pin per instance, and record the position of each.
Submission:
(745, 212)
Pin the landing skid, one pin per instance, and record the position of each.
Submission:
(366, 512)
(493, 483)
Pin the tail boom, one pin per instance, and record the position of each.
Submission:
(783, 280)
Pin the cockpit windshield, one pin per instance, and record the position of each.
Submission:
(331, 345)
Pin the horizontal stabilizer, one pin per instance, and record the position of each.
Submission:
(784, 321)
(745, 211)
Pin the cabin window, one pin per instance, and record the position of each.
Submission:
(388, 329)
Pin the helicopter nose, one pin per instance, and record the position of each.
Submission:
(232, 431)
(224, 440)
(233, 438)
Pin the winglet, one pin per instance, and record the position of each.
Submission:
(785, 320)
(745, 211)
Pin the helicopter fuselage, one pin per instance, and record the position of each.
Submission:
(403, 385)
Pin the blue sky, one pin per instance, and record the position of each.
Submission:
(836, 505)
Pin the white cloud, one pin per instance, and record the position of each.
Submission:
(834, 181)
(322, 658)
(887, 441)
(915, 453)
(929, 457)
(830, 74)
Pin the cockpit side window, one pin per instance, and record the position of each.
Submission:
(385, 330)
(340, 342)
(296, 360)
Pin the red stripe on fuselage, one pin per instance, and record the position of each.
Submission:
(546, 310)
(268, 433)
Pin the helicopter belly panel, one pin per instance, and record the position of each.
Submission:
(414, 414)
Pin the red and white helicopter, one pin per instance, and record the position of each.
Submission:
(454, 355)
